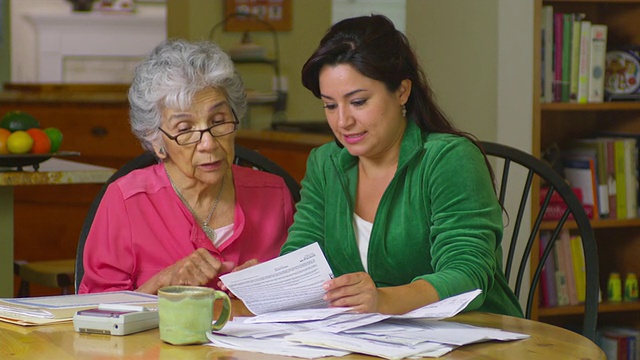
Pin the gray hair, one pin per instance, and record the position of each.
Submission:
(171, 75)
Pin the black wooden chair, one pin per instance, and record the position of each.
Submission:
(68, 273)
(509, 163)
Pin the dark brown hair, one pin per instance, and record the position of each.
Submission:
(375, 48)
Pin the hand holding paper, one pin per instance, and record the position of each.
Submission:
(289, 282)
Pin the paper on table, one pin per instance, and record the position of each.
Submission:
(363, 346)
(289, 282)
(274, 346)
(52, 309)
(442, 309)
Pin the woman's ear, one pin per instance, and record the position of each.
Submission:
(160, 151)
(404, 90)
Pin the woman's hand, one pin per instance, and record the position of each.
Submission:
(247, 264)
(355, 290)
(198, 268)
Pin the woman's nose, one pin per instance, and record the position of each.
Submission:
(344, 117)
(208, 140)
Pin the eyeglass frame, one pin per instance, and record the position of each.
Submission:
(175, 137)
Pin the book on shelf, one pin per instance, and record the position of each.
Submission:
(573, 57)
(631, 176)
(567, 30)
(547, 278)
(583, 62)
(579, 271)
(558, 21)
(567, 263)
(619, 342)
(621, 185)
(557, 206)
(597, 53)
(595, 148)
(547, 53)
(576, 27)
(580, 171)
(611, 176)
(562, 286)
(630, 166)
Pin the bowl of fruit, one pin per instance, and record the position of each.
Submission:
(24, 143)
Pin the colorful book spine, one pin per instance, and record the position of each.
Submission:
(548, 279)
(611, 177)
(583, 63)
(567, 28)
(558, 21)
(569, 268)
(579, 271)
(562, 289)
(631, 180)
(621, 185)
(598, 54)
(547, 53)
(575, 56)
(581, 173)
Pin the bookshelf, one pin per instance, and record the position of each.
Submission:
(557, 123)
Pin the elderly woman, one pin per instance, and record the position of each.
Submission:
(194, 215)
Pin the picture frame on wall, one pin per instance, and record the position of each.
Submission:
(263, 15)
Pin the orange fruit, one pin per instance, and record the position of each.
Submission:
(55, 135)
(41, 141)
(19, 142)
(4, 135)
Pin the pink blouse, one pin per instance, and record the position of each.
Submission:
(142, 227)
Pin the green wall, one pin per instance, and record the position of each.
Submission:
(456, 42)
(5, 48)
(193, 19)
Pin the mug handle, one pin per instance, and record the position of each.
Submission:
(226, 310)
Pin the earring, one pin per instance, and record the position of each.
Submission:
(162, 151)
(404, 111)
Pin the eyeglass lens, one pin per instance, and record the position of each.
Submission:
(222, 129)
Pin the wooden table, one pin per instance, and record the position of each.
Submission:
(61, 342)
(51, 172)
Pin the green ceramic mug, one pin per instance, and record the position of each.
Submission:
(186, 313)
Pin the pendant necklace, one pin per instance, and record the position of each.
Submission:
(211, 233)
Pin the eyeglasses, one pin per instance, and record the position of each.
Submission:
(194, 136)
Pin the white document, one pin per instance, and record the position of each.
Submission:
(363, 346)
(289, 282)
(273, 346)
(297, 315)
(442, 309)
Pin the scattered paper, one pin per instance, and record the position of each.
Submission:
(291, 318)
(442, 309)
(274, 346)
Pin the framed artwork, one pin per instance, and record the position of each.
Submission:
(262, 15)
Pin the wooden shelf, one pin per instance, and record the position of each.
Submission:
(596, 224)
(604, 307)
(607, 106)
(591, 1)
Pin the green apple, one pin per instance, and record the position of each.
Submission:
(55, 135)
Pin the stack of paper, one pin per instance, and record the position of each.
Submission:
(55, 309)
(292, 319)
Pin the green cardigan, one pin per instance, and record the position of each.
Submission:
(438, 220)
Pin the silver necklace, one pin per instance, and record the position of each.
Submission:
(211, 233)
